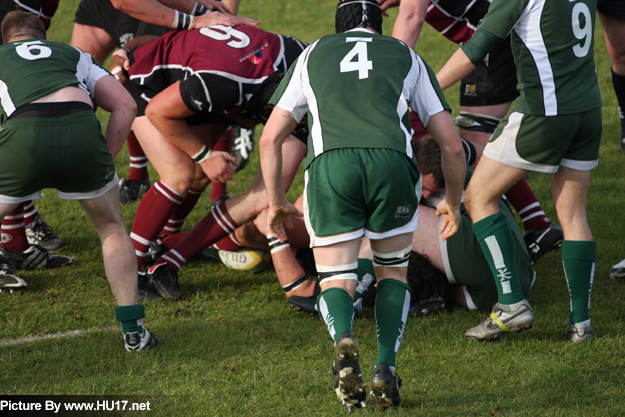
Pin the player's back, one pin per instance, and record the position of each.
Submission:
(34, 68)
(552, 45)
(239, 53)
(357, 79)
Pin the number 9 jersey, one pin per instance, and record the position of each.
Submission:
(219, 67)
(552, 44)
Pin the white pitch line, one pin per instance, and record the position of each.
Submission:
(58, 335)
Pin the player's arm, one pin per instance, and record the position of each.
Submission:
(410, 21)
(120, 61)
(428, 101)
(498, 22)
(153, 12)
(111, 96)
(278, 128)
(167, 111)
(453, 161)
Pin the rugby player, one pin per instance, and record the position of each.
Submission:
(555, 127)
(360, 178)
(47, 119)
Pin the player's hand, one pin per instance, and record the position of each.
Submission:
(451, 219)
(119, 62)
(218, 18)
(216, 5)
(278, 215)
(387, 4)
(217, 167)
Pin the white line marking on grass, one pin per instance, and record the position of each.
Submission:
(58, 335)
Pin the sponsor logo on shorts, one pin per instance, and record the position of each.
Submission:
(403, 211)
(6, 238)
(109, 173)
(146, 98)
(470, 90)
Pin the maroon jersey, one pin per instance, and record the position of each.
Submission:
(219, 67)
(457, 20)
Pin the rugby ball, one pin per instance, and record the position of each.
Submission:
(249, 260)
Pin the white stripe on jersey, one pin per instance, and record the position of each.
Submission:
(5, 99)
(528, 29)
(402, 103)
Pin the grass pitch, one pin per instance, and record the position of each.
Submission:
(234, 347)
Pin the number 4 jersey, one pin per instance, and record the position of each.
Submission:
(357, 87)
(552, 44)
(219, 67)
(60, 65)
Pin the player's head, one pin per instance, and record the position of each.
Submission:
(426, 281)
(21, 23)
(428, 156)
(259, 109)
(351, 14)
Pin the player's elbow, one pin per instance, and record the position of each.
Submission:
(117, 4)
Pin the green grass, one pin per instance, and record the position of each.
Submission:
(236, 348)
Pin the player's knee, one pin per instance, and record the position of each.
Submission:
(396, 259)
(339, 272)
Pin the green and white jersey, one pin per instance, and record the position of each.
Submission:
(356, 88)
(58, 65)
(552, 43)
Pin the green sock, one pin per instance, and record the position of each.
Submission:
(130, 317)
(578, 258)
(497, 243)
(392, 302)
(336, 308)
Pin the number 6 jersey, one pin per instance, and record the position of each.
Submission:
(219, 67)
(59, 65)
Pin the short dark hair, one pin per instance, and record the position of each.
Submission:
(351, 14)
(428, 156)
(19, 23)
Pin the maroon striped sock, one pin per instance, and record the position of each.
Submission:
(30, 212)
(156, 206)
(175, 222)
(138, 160)
(14, 232)
(215, 226)
(527, 206)
(230, 243)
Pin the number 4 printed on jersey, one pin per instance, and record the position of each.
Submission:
(362, 63)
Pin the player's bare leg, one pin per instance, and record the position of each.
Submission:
(579, 251)
(614, 33)
(120, 267)
(93, 40)
(541, 234)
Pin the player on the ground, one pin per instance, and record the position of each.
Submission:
(229, 77)
(485, 97)
(463, 276)
(47, 119)
(555, 127)
(361, 178)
